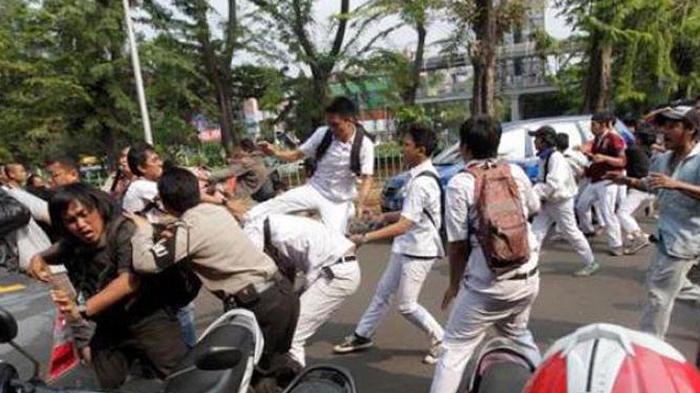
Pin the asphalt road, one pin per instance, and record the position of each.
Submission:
(614, 295)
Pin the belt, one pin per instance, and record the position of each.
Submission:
(251, 292)
(523, 276)
(345, 258)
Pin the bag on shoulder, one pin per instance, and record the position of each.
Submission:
(502, 231)
(355, 164)
(441, 229)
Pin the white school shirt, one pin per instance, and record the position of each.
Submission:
(306, 244)
(333, 177)
(139, 194)
(422, 193)
(560, 183)
(461, 211)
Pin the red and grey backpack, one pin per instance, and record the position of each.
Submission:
(502, 231)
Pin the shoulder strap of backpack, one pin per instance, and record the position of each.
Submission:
(442, 196)
(546, 166)
(267, 236)
(324, 145)
(355, 165)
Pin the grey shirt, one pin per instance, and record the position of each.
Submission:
(679, 214)
(210, 240)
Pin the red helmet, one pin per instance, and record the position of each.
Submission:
(605, 358)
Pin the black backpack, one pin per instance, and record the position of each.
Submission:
(355, 165)
(441, 230)
(286, 269)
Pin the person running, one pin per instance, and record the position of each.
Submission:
(638, 161)
(485, 296)
(327, 259)
(608, 157)
(674, 177)
(344, 155)
(416, 247)
(556, 188)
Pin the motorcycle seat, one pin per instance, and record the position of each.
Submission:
(190, 379)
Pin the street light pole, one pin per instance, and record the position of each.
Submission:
(148, 136)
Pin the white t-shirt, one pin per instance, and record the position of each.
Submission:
(305, 243)
(140, 194)
(333, 177)
(560, 183)
(460, 212)
(422, 193)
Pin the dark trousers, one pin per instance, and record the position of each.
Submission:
(277, 312)
(155, 340)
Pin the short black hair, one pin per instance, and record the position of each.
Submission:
(137, 156)
(422, 136)
(603, 117)
(342, 106)
(88, 196)
(562, 141)
(179, 189)
(482, 135)
(63, 161)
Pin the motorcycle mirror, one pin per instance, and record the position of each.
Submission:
(218, 358)
(8, 326)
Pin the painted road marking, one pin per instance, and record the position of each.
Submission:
(11, 288)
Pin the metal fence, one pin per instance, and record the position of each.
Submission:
(384, 167)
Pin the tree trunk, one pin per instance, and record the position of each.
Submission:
(224, 97)
(484, 60)
(598, 82)
(409, 95)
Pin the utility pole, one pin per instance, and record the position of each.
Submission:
(136, 64)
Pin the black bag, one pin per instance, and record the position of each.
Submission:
(286, 269)
(355, 165)
(13, 215)
(323, 378)
(442, 229)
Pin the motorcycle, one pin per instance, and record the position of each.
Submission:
(322, 378)
(501, 367)
(223, 360)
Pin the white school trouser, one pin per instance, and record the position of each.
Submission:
(472, 315)
(319, 301)
(403, 277)
(333, 214)
(666, 277)
(634, 199)
(562, 214)
(606, 193)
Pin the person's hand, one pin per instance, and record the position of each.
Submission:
(364, 212)
(357, 239)
(237, 208)
(65, 304)
(598, 158)
(617, 178)
(659, 180)
(139, 221)
(450, 294)
(39, 269)
(267, 148)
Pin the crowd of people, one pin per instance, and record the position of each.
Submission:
(138, 251)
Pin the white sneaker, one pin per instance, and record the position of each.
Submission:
(589, 270)
(433, 354)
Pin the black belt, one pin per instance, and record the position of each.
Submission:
(251, 292)
(345, 258)
(523, 276)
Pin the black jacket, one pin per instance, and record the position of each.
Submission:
(13, 215)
